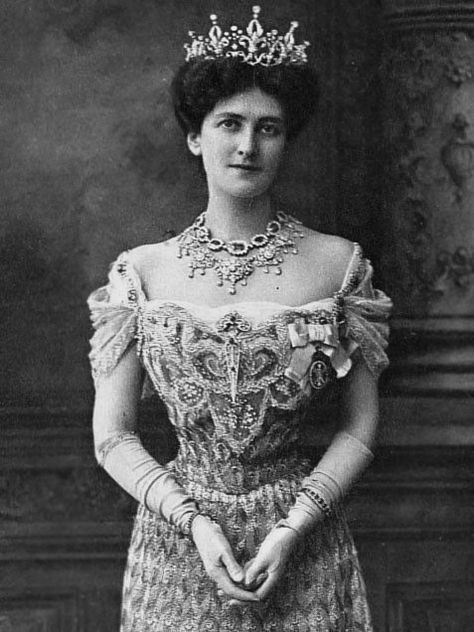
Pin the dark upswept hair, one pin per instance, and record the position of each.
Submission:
(200, 84)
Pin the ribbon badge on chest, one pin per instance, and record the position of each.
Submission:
(318, 355)
(320, 371)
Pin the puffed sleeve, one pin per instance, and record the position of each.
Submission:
(366, 313)
(114, 315)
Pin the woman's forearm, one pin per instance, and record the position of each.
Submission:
(347, 456)
(125, 459)
(360, 409)
(120, 452)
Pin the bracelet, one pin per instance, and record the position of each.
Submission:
(186, 526)
(318, 500)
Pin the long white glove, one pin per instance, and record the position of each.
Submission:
(125, 459)
(339, 468)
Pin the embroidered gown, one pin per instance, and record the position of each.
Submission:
(236, 381)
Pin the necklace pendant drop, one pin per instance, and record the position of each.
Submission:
(264, 250)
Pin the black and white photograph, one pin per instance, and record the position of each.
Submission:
(237, 316)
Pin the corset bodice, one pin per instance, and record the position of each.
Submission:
(225, 381)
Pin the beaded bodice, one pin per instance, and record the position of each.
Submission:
(236, 379)
(224, 384)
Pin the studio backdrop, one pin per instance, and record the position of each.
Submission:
(93, 163)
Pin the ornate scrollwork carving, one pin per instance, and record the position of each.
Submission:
(457, 155)
(456, 267)
(415, 249)
(430, 164)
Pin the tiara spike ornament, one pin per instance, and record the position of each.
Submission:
(251, 45)
(215, 34)
(255, 29)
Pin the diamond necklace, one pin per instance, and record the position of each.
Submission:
(264, 250)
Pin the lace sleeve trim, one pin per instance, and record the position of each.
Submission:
(366, 312)
(116, 317)
(124, 269)
(354, 272)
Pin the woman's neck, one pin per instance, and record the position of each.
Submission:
(238, 218)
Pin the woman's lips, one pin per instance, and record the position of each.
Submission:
(245, 167)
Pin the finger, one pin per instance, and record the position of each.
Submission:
(233, 567)
(238, 602)
(253, 604)
(261, 577)
(231, 602)
(231, 590)
(252, 572)
(268, 585)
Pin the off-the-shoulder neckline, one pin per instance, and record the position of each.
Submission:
(258, 311)
(235, 306)
(352, 267)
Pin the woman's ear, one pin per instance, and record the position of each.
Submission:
(194, 143)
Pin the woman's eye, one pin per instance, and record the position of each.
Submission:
(270, 130)
(229, 124)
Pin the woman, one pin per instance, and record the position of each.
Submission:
(239, 533)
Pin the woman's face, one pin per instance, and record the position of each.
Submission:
(241, 143)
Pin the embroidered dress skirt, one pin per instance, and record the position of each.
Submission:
(166, 588)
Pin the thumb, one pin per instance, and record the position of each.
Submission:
(252, 572)
(233, 567)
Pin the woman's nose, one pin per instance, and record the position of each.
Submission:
(247, 143)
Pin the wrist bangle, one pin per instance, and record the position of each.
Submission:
(318, 500)
(186, 528)
(187, 524)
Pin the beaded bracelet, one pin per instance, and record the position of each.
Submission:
(318, 500)
(186, 526)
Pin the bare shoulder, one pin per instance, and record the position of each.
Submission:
(333, 247)
(147, 257)
(341, 247)
(329, 253)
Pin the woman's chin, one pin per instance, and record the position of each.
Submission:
(248, 191)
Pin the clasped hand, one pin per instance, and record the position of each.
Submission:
(253, 582)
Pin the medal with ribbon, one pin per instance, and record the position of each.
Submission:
(318, 355)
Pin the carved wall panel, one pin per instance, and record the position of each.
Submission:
(429, 160)
(427, 186)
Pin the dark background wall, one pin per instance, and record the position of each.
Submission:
(93, 163)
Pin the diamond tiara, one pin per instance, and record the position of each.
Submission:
(253, 46)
